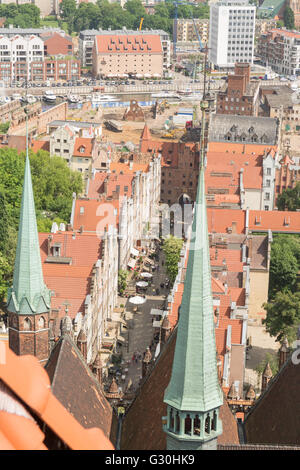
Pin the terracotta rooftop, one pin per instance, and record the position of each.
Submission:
(40, 145)
(96, 215)
(83, 147)
(125, 44)
(259, 221)
(26, 396)
(69, 281)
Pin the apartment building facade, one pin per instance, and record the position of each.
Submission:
(232, 30)
(185, 30)
(280, 49)
(25, 58)
(87, 39)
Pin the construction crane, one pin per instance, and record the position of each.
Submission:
(142, 19)
(176, 3)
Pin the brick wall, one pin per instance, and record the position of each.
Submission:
(32, 340)
(58, 112)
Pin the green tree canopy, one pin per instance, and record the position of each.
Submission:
(289, 199)
(289, 18)
(172, 247)
(53, 185)
(283, 315)
(24, 16)
(283, 267)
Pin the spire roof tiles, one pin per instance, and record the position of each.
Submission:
(194, 383)
(29, 293)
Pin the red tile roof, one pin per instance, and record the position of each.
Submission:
(31, 387)
(70, 282)
(128, 44)
(83, 147)
(37, 145)
(96, 215)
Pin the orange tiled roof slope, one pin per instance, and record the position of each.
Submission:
(83, 147)
(142, 424)
(94, 215)
(27, 383)
(74, 385)
(69, 281)
(128, 44)
(278, 221)
(274, 419)
(40, 145)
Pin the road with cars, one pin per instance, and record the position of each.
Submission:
(112, 87)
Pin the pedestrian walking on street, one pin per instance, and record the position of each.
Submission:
(133, 357)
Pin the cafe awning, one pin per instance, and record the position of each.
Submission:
(134, 252)
(156, 311)
(156, 324)
(131, 263)
(148, 260)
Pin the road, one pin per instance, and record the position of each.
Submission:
(178, 85)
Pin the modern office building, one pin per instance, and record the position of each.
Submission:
(232, 30)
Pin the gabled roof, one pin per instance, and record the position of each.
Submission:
(147, 433)
(28, 384)
(83, 147)
(74, 385)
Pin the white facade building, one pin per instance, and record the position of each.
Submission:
(232, 30)
(18, 53)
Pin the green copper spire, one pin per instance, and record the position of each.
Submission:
(194, 395)
(29, 293)
(194, 383)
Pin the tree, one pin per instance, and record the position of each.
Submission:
(172, 247)
(289, 199)
(283, 315)
(272, 359)
(122, 281)
(283, 268)
(53, 185)
(289, 18)
(67, 8)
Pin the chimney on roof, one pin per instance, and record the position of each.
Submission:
(50, 238)
(130, 165)
(226, 288)
(283, 352)
(81, 229)
(234, 227)
(266, 377)
(69, 228)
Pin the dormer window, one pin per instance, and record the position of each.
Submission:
(82, 149)
(56, 249)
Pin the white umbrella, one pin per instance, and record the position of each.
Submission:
(142, 284)
(137, 300)
(147, 275)
(156, 75)
(147, 75)
(139, 75)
